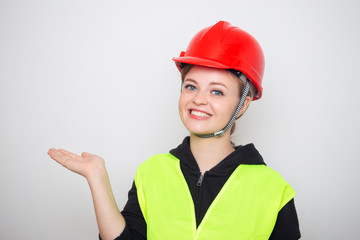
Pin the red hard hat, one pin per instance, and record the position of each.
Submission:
(227, 47)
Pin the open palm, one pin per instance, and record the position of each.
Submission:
(83, 165)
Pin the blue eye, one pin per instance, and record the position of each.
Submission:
(190, 87)
(217, 93)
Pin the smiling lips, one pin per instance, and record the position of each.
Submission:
(199, 114)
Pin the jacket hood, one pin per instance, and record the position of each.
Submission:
(242, 155)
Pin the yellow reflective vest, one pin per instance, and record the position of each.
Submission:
(246, 207)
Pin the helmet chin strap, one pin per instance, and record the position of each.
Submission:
(238, 108)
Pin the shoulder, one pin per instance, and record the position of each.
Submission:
(267, 180)
(160, 168)
(261, 171)
(268, 175)
(158, 159)
(157, 164)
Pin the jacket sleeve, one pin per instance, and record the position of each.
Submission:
(287, 224)
(135, 228)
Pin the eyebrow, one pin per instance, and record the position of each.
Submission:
(211, 83)
(218, 83)
(190, 80)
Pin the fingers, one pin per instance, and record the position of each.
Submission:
(62, 156)
(68, 154)
(57, 155)
(53, 152)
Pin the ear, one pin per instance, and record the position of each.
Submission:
(244, 107)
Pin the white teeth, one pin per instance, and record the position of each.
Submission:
(200, 114)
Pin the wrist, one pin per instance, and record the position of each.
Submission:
(96, 173)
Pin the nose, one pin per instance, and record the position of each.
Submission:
(200, 98)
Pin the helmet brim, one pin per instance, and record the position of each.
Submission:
(198, 61)
(210, 63)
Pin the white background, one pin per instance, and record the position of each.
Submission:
(97, 76)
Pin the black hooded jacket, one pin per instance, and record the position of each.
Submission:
(204, 188)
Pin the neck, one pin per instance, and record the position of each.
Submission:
(208, 152)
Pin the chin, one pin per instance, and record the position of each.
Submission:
(200, 131)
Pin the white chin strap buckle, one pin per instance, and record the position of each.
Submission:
(219, 133)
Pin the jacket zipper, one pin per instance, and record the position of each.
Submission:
(199, 193)
(200, 180)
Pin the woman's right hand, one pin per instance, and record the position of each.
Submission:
(110, 221)
(85, 165)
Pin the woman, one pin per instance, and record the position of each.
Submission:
(205, 188)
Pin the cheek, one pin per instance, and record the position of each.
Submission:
(182, 104)
(227, 108)
(184, 100)
(182, 109)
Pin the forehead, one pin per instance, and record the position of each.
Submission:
(205, 75)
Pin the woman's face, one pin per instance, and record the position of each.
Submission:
(208, 99)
